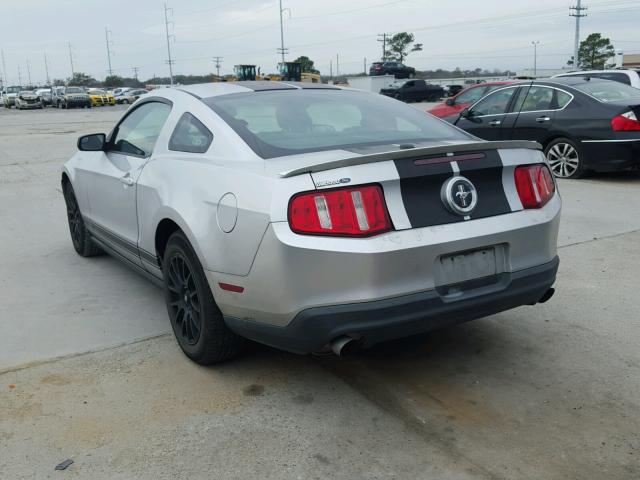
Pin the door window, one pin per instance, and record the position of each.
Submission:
(471, 96)
(138, 132)
(537, 98)
(562, 98)
(495, 104)
(190, 135)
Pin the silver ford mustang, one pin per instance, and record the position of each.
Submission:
(312, 218)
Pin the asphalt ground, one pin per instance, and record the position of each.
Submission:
(89, 371)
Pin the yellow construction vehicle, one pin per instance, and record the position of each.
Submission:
(244, 72)
(290, 71)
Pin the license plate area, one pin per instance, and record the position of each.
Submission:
(461, 267)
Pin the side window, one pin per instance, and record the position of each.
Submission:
(471, 96)
(495, 104)
(138, 132)
(616, 77)
(538, 98)
(190, 135)
(409, 84)
(562, 99)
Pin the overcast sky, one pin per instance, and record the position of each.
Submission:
(465, 33)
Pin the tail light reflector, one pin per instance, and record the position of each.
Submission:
(534, 184)
(626, 122)
(353, 212)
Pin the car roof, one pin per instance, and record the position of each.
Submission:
(579, 73)
(206, 90)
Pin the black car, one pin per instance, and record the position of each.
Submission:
(583, 124)
(414, 91)
(396, 69)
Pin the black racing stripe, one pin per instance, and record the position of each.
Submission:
(421, 187)
(486, 175)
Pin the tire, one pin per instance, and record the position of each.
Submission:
(397, 96)
(432, 98)
(80, 236)
(125, 102)
(563, 156)
(195, 318)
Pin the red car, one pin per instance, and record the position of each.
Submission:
(466, 98)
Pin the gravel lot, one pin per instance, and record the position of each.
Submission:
(89, 372)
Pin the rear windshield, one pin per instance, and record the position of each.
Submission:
(74, 90)
(288, 122)
(609, 91)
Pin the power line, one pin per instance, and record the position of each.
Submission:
(576, 46)
(166, 26)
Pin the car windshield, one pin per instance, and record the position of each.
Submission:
(74, 90)
(277, 123)
(26, 92)
(609, 91)
(13, 89)
(97, 92)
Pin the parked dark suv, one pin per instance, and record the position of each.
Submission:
(396, 69)
(414, 91)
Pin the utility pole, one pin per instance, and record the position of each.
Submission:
(365, 65)
(337, 66)
(135, 72)
(46, 68)
(107, 35)
(166, 25)
(535, 58)
(282, 50)
(382, 37)
(71, 60)
(217, 61)
(19, 76)
(29, 72)
(4, 67)
(576, 46)
(331, 69)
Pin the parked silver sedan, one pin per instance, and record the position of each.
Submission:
(312, 218)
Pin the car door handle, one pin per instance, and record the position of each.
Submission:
(127, 180)
(542, 119)
(495, 123)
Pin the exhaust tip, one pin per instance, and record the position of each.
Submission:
(547, 295)
(343, 346)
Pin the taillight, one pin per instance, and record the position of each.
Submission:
(626, 122)
(534, 184)
(354, 212)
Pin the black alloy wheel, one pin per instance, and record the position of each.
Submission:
(196, 320)
(80, 236)
(183, 299)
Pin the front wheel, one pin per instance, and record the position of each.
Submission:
(80, 236)
(196, 320)
(125, 102)
(564, 159)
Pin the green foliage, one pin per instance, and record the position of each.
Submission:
(594, 52)
(113, 81)
(400, 45)
(82, 80)
(307, 64)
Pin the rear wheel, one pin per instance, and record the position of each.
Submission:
(196, 320)
(564, 160)
(80, 236)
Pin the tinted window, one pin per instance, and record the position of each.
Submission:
(471, 95)
(537, 98)
(616, 77)
(277, 122)
(190, 135)
(494, 104)
(74, 90)
(609, 91)
(138, 132)
(562, 98)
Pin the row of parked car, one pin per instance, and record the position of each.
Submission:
(67, 97)
(585, 121)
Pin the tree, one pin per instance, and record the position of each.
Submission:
(400, 45)
(594, 52)
(82, 80)
(113, 81)
(307, 64)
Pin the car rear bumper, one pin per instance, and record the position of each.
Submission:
(381, 320)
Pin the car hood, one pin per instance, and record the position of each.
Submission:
(292, 165)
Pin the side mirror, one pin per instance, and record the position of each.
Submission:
(92, 143)
(466, 113)
(451, 102)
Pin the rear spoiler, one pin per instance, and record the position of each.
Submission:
(411, 153)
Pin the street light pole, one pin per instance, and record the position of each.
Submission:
(535, 58)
